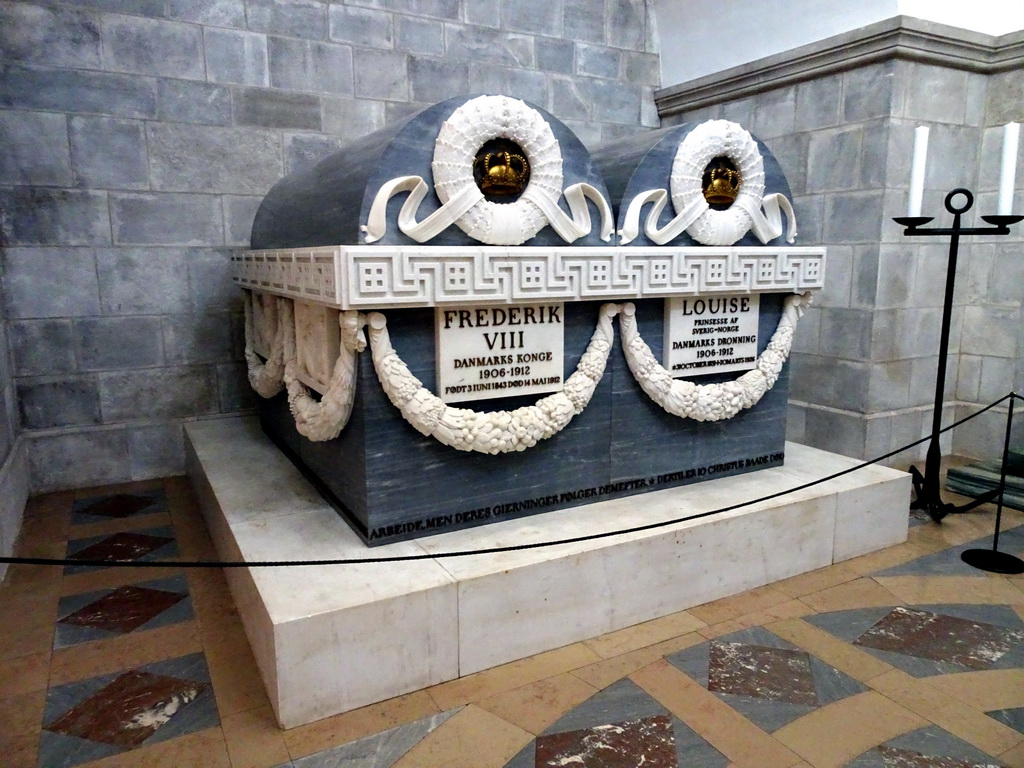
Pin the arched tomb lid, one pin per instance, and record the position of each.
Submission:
(642, 162)
(328, 203)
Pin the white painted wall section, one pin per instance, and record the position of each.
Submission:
(702, 37)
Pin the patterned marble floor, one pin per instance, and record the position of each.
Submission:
(906, 658)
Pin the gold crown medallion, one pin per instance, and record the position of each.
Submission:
(502, 173)
(721, 184)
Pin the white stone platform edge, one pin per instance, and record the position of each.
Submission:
(329, 639)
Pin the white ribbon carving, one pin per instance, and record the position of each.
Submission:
(710, 402)
(266, 378)
(495, 431)
(324, 420)
(711, 139)
(461, 136)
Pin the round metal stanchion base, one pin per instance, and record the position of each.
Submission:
(992, 561)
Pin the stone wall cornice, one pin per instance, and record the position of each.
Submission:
(901, 37)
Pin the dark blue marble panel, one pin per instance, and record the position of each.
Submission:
(383, 473)
(647, 440)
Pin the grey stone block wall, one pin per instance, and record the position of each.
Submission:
(866, 354)
(139, 138)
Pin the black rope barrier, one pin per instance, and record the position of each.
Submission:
(492, 550)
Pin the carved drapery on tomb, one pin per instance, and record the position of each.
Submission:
(468, 317)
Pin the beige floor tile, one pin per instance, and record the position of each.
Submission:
(892, 556)
(22, 638)
(113, 577)
(788, 610)
(738, 605)
(860, 593)
(236, 678)
(854, 662)
(254, 739)
(719, 724)
(1013, 758)
(945, 711)
(473, 738)
(20, 722)
(99, 657)
(28, 607)
(205, 749)
(832, 736)
(44, 528)
(21, 577)
(956, 529)
(536, 706)
(24, 674)
(604, 673)
(116, 525)
(985, 691)
(512, 675)
(357, 724)
(817, 580)
(926, 590)
(645, 634)
(58, 503)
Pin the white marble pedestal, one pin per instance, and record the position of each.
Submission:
(328, 639)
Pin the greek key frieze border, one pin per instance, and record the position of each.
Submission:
(363, 277)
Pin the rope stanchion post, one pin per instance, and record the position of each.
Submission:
(992, 560)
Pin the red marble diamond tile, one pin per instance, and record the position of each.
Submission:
(648, 742)
(122, 546)
(775, 674)
(129, 710)
(121, 505)
(940, 638)
(124, 610)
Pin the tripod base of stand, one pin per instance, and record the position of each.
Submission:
(928, 498)
(992, 561)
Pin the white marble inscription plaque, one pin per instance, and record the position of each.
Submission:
(711, 334)
(483, 353)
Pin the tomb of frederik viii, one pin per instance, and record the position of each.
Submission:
(467, 318)
(491, 320)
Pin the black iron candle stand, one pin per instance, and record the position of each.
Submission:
(926, 484)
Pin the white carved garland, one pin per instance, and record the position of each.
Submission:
(710, 402)
(324, 420)
(266, 378)
(495, 431)
(752, 209)
(462, 135)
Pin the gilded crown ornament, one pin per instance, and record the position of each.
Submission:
(503, 173)
(721, 185)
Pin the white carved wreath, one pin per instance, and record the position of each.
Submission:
(495, 431)
(751, 209)
(466, 130)
(710, 402)
(717, 138)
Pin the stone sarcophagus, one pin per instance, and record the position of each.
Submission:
(468, 317)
